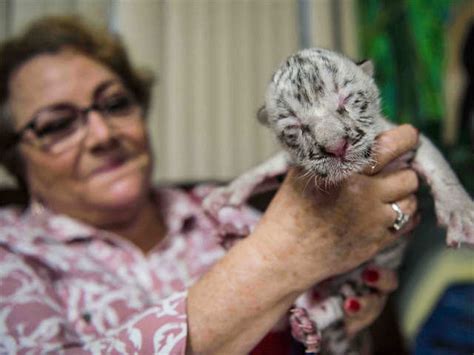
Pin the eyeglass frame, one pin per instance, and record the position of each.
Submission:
(82, 112)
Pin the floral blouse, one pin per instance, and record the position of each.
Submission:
(68, 287)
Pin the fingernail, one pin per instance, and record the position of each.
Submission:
(315, 296)
(370, 275)
(352, 305)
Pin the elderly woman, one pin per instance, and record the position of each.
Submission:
(100, 261)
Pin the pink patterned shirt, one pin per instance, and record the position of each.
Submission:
(68, 287)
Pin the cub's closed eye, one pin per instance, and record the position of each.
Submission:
(342, 104)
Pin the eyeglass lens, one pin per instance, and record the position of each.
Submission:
(59, 127)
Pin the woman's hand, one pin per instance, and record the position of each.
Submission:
(306, 235)
(362, 311)
(310, 231)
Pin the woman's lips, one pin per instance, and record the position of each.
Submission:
(109, 165)
(119, 167)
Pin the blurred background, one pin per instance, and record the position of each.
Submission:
(213, 59)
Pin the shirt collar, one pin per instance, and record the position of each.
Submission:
(179, 209)
(57, 226)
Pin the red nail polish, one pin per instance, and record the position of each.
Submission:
(315, 296)
(352, 305)
(370, 275)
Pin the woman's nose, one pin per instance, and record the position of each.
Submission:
(98, 130)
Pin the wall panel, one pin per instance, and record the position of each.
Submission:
(214, 59)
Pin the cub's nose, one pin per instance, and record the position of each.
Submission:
(337, 148)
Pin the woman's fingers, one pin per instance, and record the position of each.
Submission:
(392, 144)
(411, 224)
(398, 185)
(408, 206)
(383, 280)
(362, 311)
(398, 189)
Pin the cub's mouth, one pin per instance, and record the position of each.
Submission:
(333, 170)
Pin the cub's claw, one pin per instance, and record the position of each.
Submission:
(216, 200)
(304, 330)
(457, 215)
(461, 228)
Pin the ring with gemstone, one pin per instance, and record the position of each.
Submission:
(401, 218)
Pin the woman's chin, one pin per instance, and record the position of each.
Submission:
(121, 187)
(123, 193)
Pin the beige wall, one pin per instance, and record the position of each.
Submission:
(214, 59)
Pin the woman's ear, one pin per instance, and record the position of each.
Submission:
(262, 115)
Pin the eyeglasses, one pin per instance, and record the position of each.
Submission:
(58, 128)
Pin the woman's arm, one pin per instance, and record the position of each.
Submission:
(305, 236)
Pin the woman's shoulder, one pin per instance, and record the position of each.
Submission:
(16, 231)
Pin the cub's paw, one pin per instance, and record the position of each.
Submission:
(216, 200)
(304, 330)
(233, 195)
(461, 228)
(458, 220)
(230, 233)
(241, 191)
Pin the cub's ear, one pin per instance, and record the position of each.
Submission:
(262, 115)
(367, 66)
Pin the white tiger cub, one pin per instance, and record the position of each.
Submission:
(325, 111)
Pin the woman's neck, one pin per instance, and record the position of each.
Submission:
(146, 229)
(142, 223)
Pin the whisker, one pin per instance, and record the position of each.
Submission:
(306, 185)
(320, 184)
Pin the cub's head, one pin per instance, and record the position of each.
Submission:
(325, 111)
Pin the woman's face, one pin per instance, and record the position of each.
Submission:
(108, 168)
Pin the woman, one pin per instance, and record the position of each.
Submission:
(100, 261)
